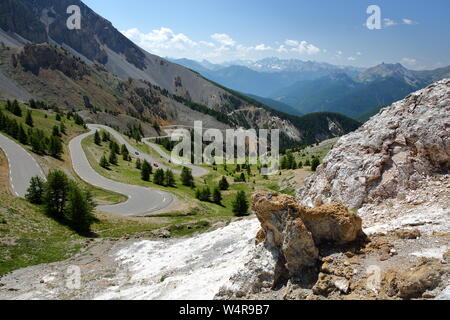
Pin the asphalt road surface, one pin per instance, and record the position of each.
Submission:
(22, 166)
(141, 200)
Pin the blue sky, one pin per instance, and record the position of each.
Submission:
(414, 32)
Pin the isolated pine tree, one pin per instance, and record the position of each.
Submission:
(79, 210)
(97, 139)
(223, 184)
(315, 164)
(35, 191)
(169, 178)
(113, 158)
(104, 163)
(146, 171)
(158, 177)
(186, 177)
(125, 153)
(240, 204)
(55, 194)
(217, 196)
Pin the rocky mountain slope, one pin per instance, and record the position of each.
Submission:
(99, 68)
(401, 146)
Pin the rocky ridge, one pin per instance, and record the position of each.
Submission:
(401, 146)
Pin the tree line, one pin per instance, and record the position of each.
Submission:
(41, 143)
(64, 201)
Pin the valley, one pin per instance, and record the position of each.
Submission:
(324, 172)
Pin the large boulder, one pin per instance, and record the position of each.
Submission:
(296, 231)
(395, 150)
(280, 218)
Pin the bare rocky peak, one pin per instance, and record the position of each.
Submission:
(394, 151)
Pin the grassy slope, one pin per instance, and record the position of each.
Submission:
(127, 173)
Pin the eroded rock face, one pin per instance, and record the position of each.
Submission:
(285, 231)
(289, 243)
(389, 155)
(296, 231)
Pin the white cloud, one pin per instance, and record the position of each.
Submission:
(302, 47)
(223, 39)
(351, 58)
(220, 47)
(263, 47)
(389, 23)
(358, 53)
(409, 61)
(408, 21)
(160, 39)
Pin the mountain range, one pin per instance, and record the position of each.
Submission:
(104, 76)
(305, 86)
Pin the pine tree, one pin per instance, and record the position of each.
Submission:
(146, 171)
(16, 109)
(186, 177)
(240, 204)
(315, 164)
(138, 164)
(217, 196)
(55, 194)
(22, 136)
(104, 163)
(55, 147)
(223, 184)
(125, 153)
(113, 158)
(35, 191)
(29, 119)
(169, 178)
(79, 210)
(58, 117)
(105, 136)
(158, 177)
(97, 139)
(55, 132)
(9, 106)
(37, 144)
(62, 128)
(203, 194)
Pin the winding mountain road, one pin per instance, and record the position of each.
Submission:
(141, 200)
(22, 166)
(196, 171)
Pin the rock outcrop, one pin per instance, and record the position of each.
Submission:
(290, 242)
(390, 154)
